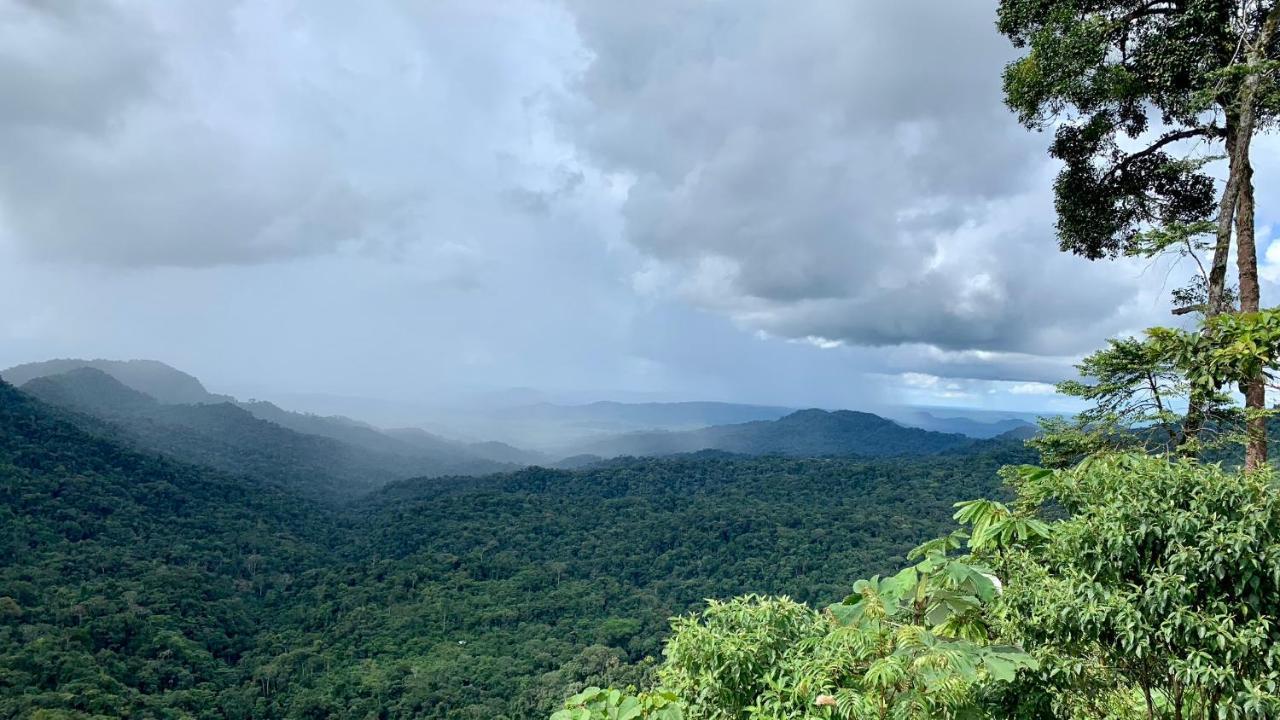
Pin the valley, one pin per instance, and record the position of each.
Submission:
(237, 560)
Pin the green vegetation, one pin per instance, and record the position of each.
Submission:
(1157, 595)
(131, 585)
(139, 586)
(325, 459)
(1128, 586)
(807, 433)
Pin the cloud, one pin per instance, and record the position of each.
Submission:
(73, 64)
(747, 200)
(924, 389)
(845, 172)
(239, 133)
(1032, 388)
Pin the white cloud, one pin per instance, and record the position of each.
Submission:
(1031, 388)
(920, 380)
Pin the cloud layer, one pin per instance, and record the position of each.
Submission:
(157, 134)
(746, 200)
(842, 171)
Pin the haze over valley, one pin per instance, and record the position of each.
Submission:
(159, 404)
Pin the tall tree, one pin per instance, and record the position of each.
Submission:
(1142, 95)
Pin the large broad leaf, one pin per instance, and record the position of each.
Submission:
(893, 590)
(970, 580)
(1002, 662)
(947, 603)
(942, 545)
(859, 589)
(848, 615)
(628, 709)
(668, 712)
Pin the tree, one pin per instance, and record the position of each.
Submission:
(914, 645)
(1134, 383)
(1156, 596)
(1125, 83)
(1133, 386)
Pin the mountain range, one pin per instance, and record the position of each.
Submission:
(976, 424)
(187, 559)
(322, 457)
(804, 433)
(162, 409)
(162, 382)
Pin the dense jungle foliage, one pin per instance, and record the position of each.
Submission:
(1126, 586)
(138, 586)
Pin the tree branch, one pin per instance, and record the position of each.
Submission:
(1156, 7)
(1209, 131)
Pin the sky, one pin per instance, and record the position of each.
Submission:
(805, 204)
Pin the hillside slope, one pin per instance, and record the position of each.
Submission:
(170, 386)
(130, 585)
(227, 437)
(156, 379)
(806, 433)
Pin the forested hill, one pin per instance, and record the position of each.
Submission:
(228, 437)
(139, 586)
(155, 379)
(340, 458)
(170, 386)
(806, 433)
(131, 585)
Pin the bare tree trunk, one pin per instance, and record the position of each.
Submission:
(1194, 422)
(1240, 129)
(1226, 214)
(1255, 390)
(1246, 249)
(1217, 281)
(1239, 136)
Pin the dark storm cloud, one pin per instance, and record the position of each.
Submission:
(199, 134)
(124, 151)
(70, 66)
(836, 170)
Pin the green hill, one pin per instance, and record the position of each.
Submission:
(131, 585)
(806, 433)
(153, 378)
(136, 585)
(229, 438)
(170, 386)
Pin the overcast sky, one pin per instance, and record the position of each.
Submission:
(819, 203)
